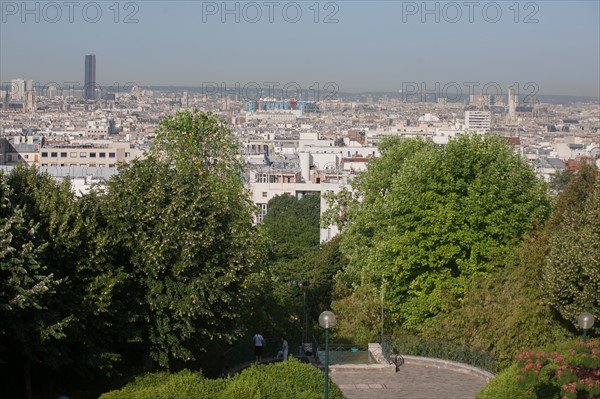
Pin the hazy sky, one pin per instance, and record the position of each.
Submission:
(359, 45)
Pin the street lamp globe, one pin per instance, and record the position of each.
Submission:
(327, 319)
(585, 321)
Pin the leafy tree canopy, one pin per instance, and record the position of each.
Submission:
(183, 223)
(572, 272)
(435, 217)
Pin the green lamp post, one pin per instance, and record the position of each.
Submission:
(327, 321)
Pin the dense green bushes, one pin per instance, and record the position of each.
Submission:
(184, 384)
(284, 380)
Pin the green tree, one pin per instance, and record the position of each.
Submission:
(81, 308)
(292, 228)
(200, 141)
(292, 225)
(26, 288)
(504, 312)
(182, 222)
(572, 273)
(572, 198)
(358, 316)
(561, 180)
(443, 216)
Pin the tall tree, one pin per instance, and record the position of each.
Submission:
(448, 214)
(572, 272)
(81, 307)
(293, 225)
(26, 289)
(183, 223)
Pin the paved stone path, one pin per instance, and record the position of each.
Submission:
(412, 381)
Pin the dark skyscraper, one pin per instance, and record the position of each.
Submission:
(89, 90)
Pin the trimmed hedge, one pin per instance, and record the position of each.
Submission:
(284, 380)
(163, 385)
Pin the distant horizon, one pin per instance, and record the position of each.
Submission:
(230, 90)
(374, 46)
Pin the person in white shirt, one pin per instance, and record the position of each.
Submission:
(283, 353)
(259, 344)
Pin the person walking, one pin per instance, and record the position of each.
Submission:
(283, 353)
(259, 344)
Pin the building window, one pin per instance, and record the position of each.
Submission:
(262, 213)
(26, 156)
(112, 155)
(82, 154)
(102, 154)
(9, 157)
(54, 154)
(92, 155)
(63, 154)
(264, 194)
(73, 155)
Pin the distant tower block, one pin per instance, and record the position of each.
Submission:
(512, 106)
(17, 89)
(89, 90)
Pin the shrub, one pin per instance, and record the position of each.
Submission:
(574, 372)
(285, 380)
(163, 385)
(505, 386)
(570, 372)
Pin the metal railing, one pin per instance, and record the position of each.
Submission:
(386, 349)
(418, 346)
(315, 349)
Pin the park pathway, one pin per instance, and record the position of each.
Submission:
(412, 381)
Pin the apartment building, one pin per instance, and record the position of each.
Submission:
(478, 121)
(19, 149)
(88, 154)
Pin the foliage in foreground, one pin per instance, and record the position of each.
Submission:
(571, 371)
(296, 284)
(534, 298)
(155, 267)
(430, 219)
(285, 380)
(572, 272)
(503, 313)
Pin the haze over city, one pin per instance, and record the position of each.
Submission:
(374, 46)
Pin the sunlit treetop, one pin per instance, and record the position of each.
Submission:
(198, 141)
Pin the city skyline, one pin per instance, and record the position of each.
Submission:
(553, 45)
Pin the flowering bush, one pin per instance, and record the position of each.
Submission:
(574, 371)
